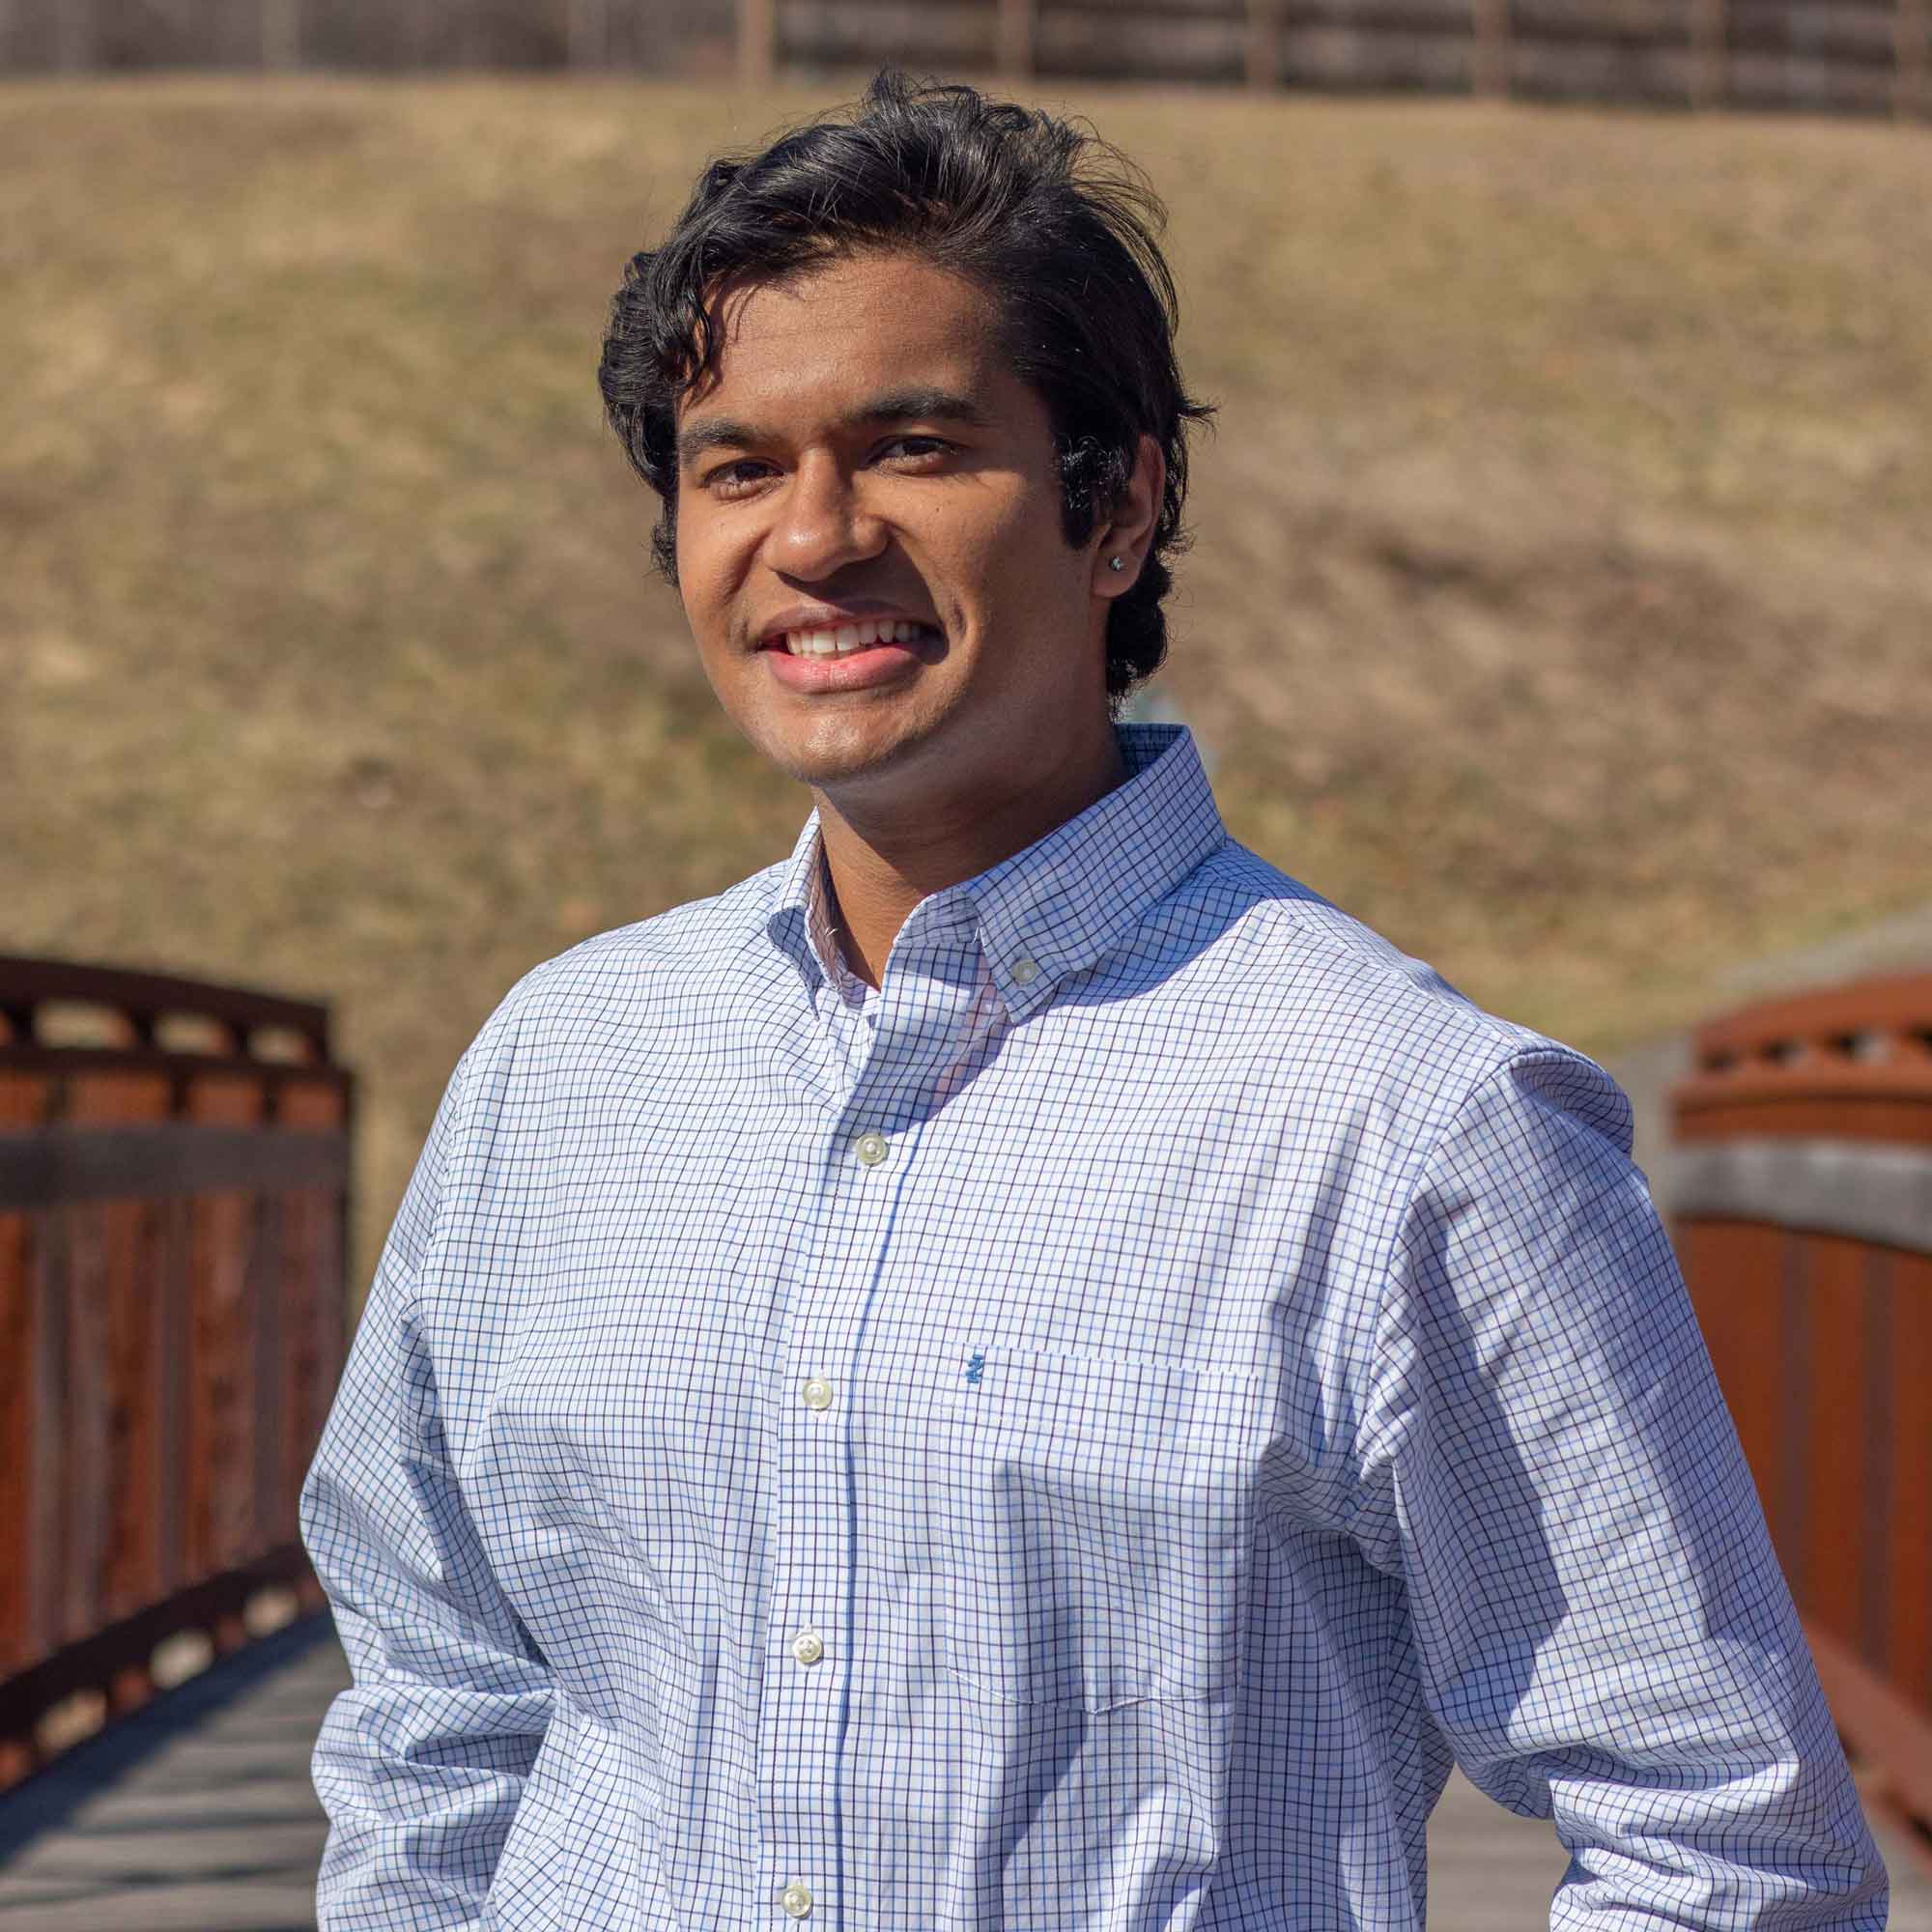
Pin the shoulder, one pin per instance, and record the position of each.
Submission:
(668, 969)
(1333, 1003)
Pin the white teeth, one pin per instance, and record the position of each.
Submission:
(844, 639)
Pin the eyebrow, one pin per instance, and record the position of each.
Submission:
(914, 403)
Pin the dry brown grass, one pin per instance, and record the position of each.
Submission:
(1559, 605)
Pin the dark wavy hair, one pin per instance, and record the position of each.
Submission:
(1059, 227)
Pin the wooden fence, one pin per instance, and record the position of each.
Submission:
(1845, 55)
(172, 1200)
(1860, 56)
(1801, 1193)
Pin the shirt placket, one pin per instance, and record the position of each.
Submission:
(871, 1141)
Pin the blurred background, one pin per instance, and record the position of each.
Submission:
(1559, 603)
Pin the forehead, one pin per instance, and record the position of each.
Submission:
(813, 342)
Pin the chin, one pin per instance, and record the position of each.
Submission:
(829, 757)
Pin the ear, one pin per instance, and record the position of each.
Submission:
(1130, 526)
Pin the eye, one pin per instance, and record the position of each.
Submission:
(917, 452)
(738, 478)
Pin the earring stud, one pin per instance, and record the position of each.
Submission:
(1117, 563)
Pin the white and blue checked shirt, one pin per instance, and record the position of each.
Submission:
(1076, 1439)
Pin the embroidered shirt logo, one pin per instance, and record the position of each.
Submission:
(975, 1367)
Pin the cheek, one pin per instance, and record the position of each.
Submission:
(1009, 554)
(703, 576)
(1035, 577)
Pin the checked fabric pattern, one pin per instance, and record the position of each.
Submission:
(1075, 1441)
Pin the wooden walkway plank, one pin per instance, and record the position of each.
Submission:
(194, 1815)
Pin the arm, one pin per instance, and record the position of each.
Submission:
(422, 1764)
(1607, 1639)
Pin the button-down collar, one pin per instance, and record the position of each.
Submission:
(1057, 907)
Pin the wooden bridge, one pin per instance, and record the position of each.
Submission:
(173, 1186)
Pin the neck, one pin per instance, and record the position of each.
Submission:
(884, 861)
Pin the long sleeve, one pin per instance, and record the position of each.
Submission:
(1606, 1636)
(422, 1764)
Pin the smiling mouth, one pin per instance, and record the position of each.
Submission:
(843, 640)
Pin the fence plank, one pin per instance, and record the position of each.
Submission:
(76, 43)
(221, 1412)
(1351, 60)
(1490, 20)
(46, 1525)
(944, 34)
(1709, 76)
(1830, 1385)
(1912, 58)
(757, 42)
(1733, 1268)
(1909, 1483)
(1088, 40)
(1816, 86)
(1013, 41)
(19, 1438)
(587, 34)
(1261, 49)
(23, 1105)
(282, 35)
(85, 1457)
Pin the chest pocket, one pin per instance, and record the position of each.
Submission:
(1093, 1523)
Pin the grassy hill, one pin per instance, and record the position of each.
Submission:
(1560, 601)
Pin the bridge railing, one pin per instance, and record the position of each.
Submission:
(1803, 1205)
(174, 1163)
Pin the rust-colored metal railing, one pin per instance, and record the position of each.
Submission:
(1802, 1213)
(174, 1162)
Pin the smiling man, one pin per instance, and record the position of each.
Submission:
(1018, 1368)
(864, 453)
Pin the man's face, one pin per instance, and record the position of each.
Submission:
(870, 543)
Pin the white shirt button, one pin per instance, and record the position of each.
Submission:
(795, 1899)
(817, 1393)
(1025, 971)
(872, 1149)
(808, 1646)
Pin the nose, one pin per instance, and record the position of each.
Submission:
(821, 524)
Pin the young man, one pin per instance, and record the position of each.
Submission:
(1017, 1369)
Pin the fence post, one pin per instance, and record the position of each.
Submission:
(282, 35)
(1912, 45)
(1015, 38)
(1264, 44)
(1709, 77)
(1490, 20)
(757, 42)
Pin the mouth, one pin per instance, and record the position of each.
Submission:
(847, 639)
